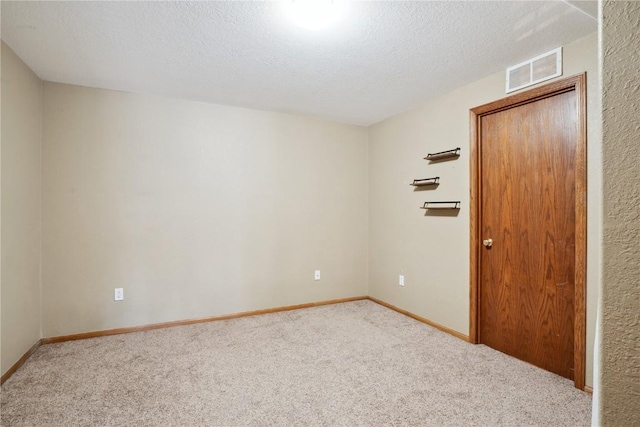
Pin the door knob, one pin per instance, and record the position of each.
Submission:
(487, 242)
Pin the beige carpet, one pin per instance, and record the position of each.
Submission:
(352, 364)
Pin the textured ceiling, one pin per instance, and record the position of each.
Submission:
(381, 59)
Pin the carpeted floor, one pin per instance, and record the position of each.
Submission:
(351, 364)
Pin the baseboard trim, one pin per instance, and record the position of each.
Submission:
(118, 331)
(20, 362)
(421, 319)
(588, 389)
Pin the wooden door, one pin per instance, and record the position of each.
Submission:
(530, 245)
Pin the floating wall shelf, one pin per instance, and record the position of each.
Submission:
(441, 205)
(449, 154)
(426, 181)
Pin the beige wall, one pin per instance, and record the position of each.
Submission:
(21, 195)
(618, 381)
(194, 209)
(433, 252)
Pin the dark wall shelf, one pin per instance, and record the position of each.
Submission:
(440, 208)
(441, 205)
(426, 181)
(442, 155)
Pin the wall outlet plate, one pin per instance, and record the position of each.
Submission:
(119, 294)
(401, 280)
(316, 275)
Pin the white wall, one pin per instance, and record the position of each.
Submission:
(194, 209)
(21, 195)
(433, 252)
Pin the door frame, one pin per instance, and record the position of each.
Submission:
(575, 83)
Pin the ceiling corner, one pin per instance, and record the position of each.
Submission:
(588, 7)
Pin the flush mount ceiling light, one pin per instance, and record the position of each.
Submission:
(314, 14)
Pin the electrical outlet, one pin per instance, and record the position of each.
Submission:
(316, 275)
(401, 280)
(119, 294)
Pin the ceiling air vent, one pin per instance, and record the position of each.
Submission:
(542, 67)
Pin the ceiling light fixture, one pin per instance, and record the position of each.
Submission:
(314, 14)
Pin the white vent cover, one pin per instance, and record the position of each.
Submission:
(542, 67)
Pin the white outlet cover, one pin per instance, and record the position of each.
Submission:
(401, 280)
(316, 275)
(119, 294)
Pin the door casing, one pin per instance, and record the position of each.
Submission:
(575, 83)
